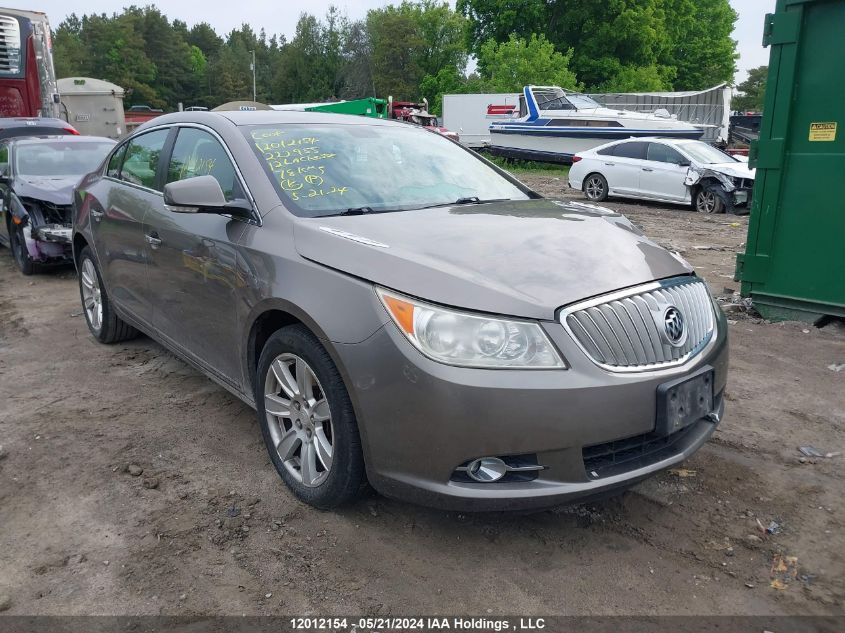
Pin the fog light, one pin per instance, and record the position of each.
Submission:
(487, 469)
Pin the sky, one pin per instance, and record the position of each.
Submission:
(281, 17)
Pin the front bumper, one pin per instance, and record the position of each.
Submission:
(742, 197)
(48, 243)
(420, 420)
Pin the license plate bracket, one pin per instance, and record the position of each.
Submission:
(683, 401)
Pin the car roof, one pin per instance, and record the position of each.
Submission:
(20, 121)
(650, 139)
(64, 138)
(263, 117)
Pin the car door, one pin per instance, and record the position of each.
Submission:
(193, 262)
(132, 189)
(624, 167)
(663, 173)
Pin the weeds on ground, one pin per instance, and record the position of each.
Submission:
(530, 167)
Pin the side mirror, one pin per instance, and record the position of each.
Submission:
(202, 194)
(684, 163)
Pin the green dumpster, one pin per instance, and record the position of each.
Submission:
(794, 263)
(370, 106)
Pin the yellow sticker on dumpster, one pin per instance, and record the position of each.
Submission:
(823, 131)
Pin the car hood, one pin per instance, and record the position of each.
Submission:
(519, 258)
(58, 190)
(737, 170)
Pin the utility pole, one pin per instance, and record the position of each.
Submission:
(252, 66)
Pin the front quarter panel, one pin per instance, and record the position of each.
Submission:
(338, 308)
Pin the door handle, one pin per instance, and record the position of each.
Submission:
(153, 240)
(647, 169)
(610, 164)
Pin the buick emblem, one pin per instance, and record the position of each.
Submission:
(674, 326)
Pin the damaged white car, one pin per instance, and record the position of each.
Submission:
(679, 171)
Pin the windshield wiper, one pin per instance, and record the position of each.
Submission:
(461, 201)
(356, 211)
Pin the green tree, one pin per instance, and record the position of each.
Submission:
(68, 39)
(357, 67)
(509, 66)
(170, 53)
(396, 45)
(752, 91)
(701, 50)
(203, 36)
(619, 44)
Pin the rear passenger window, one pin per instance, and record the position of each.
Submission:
(607, 151)
(114, 162)
(636, 149)
(142, 155)
(664, 154)
(198, 153)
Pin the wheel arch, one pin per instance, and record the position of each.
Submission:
(594, 172)
(269, 317)
(708, 181)
(79, 242)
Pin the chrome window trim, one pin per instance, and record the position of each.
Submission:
(256, 216)
(705, 344)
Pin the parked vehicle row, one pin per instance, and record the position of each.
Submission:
(677, 171)
(400, 311)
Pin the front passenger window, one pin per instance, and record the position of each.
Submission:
(198, 153)
(142, 155)
(664, 154)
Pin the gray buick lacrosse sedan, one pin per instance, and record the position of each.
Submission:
(399, 311)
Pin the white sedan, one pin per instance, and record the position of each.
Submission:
(666, 170)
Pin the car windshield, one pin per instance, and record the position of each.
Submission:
(328, 169)
(59, 159)
(707, 154)
(558, 99)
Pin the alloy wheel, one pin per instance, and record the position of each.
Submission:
(92, 300)
(299, 419)
(706, 202)
(594, 188)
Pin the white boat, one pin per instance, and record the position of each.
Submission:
(553, 124)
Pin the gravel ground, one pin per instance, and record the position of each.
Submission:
(130, 484)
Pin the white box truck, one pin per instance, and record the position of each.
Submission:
(467, 115)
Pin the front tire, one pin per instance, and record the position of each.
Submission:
(102, 322)
(17, 244)
(307, 420)
(712, 199)
(595, 188)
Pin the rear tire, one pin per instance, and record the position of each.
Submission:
(102, 321)
(17, 246)
(595, 187)
(310, 429)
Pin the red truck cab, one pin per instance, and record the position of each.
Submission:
(27, 76)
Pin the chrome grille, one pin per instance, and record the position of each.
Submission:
(625, 331)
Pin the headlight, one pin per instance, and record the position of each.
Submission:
(471, 340)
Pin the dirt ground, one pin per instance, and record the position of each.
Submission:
(208, 527)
